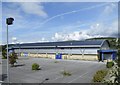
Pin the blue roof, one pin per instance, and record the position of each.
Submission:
(107, 51)
(64, 43)
(86, 42)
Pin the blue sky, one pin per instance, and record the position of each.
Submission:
(59, 21)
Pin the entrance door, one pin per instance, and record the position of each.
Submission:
(59, 56)
(107, 56)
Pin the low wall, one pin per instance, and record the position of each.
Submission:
(64, 56)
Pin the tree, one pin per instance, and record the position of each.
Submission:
(0, 48)
(4, 52)
(12, 58)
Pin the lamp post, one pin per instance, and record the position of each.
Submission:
(9, 21)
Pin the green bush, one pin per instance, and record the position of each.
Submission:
(110, 64)
(99, 75)
(66, 73)
(56, 62)
(12, 58)
(4, 57)
(4, 52)
(35, 66)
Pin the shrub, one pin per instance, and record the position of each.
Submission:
(4, 57)
(12, 58)
(99, 75)
(35, 66)
(66, 73)
(110, 64)
(56, 62)
(4, 52)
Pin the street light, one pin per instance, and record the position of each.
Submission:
(9, 21)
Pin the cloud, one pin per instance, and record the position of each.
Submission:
(33, 8)
(95, 30)
(21, 22)
(104, 29)
(43, 40)
(109, 8)
(71, 36)
(15, 9)
(14, 38)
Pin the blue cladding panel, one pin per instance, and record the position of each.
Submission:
(114, 56)
(58, 56)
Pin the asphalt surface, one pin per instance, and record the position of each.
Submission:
(0, 68)
(82, 71)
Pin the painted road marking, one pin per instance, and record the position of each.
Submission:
(78, 77)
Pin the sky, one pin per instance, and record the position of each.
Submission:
(59, 21)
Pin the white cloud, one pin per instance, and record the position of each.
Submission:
(14, 38)
(43, 40)
(71, 36)
(104, 29)
(14, 9)
(11, 11)
(95, 30)
(109, 8)
(33, 8)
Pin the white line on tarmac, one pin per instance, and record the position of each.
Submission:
(78, 77)
(57, 78)
(81, 75)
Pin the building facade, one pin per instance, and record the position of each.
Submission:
(86, 50)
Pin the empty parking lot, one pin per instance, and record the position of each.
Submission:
(82, 71)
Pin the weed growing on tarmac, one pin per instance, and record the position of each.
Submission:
(35, 66)
(56, 62)
(66, 73)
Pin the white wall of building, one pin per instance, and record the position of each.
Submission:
(64, 51)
